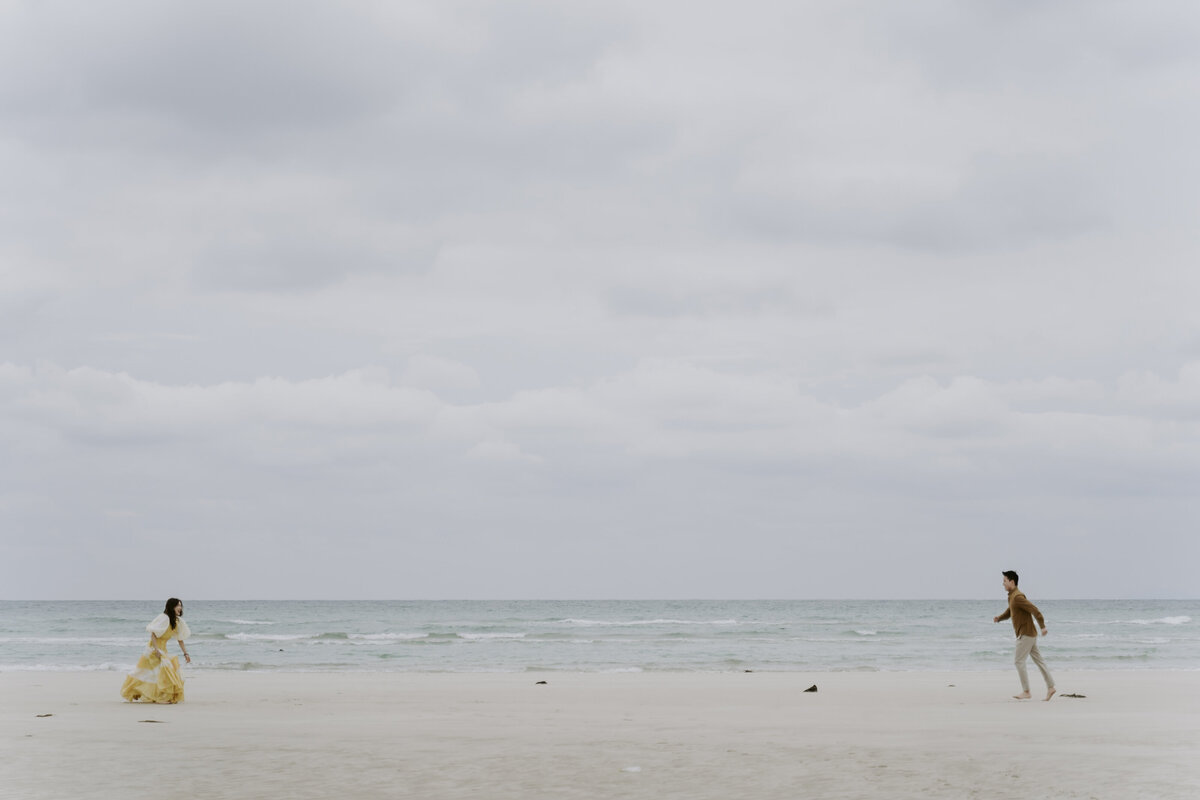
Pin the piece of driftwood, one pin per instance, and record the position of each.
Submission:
(1074, 695)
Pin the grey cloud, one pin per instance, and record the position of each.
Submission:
(453, 118)
(298, 459)
(1009, 202)
(636, 301)
(921, 360)
(659, 409)
(140, 74)
(999, 202)
(296, 257)
(282, 69)
(448, 278)
(430, 372)
(994, 45)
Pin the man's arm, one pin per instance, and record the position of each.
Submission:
(1023, 603)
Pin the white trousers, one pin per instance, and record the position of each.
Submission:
(1026, 647)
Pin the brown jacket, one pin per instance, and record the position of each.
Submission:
(1023, 613)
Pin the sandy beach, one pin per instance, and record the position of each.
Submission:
(591, 735)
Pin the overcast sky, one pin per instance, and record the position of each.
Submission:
(615, 299)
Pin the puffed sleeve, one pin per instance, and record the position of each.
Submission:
(181, 629)
(160, 624)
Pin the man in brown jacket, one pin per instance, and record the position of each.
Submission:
(1023, 613)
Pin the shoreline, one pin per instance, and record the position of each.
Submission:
(193, 670)
(945, 734)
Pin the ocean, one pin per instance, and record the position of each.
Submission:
(602, 635)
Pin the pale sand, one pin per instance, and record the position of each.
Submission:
(638, 735)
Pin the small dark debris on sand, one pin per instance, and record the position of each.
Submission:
(1074, 695)
(812, 688)
(45, 715)
(150, 720)
(541, 683)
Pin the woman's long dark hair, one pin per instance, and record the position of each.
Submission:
(170, 610)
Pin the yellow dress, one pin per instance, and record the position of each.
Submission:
(157, 679)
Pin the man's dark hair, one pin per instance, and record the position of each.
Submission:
(1012, 576)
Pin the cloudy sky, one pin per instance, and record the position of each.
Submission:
(615, 299)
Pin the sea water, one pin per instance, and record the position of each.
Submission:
(602, 635)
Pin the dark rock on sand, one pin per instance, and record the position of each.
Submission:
(812, 688)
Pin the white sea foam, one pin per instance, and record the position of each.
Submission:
(867, 633)
(248, 622)
(105, 667)
(270, 637)
(124, 641)
(632, 622)
(389, 637)
(476, 636)
(1162, 621)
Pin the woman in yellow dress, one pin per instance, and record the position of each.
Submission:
(156, 678)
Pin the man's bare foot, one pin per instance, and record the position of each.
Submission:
(1050, 692)
(1023, 696)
